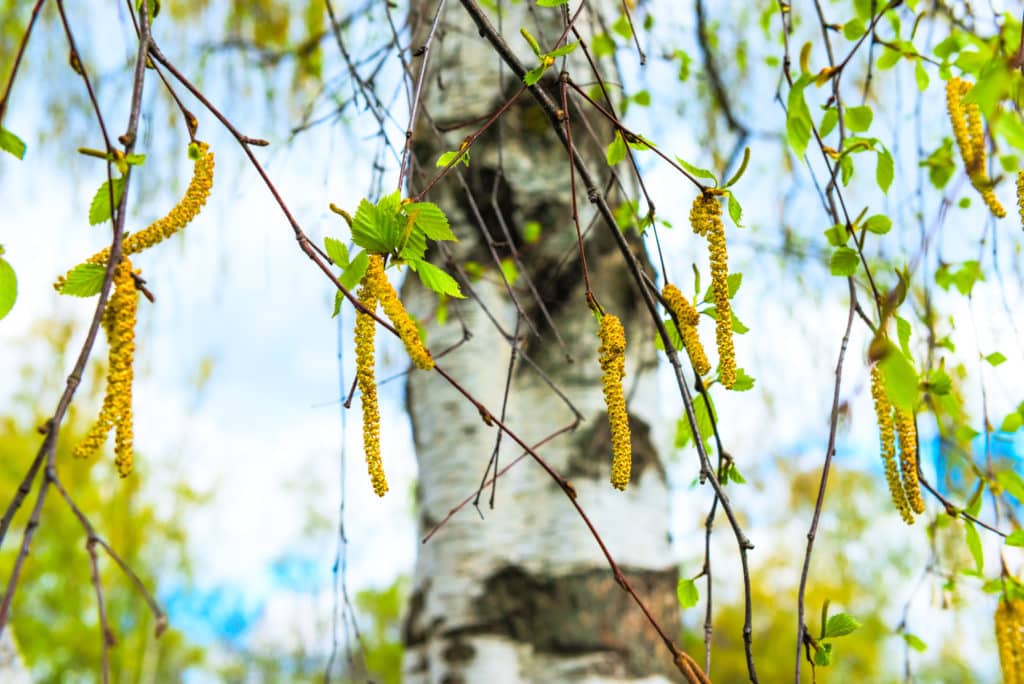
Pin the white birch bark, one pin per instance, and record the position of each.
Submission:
(525, 595)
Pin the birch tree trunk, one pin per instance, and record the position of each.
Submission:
(525, 594)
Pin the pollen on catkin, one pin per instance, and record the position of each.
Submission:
(688, 318)
(365, 329)
(887, 438)
(1009, 626)
(612, 355)
(706, 219)
(908, 458)
(381, 288)
(116, 411)
(177, 218)
(1020, 196)
(969, 133)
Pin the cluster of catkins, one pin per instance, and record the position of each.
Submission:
(904, 487)
(376, 288)
(1010, 639)
(120, 315)
(706, 220)
(969, 133)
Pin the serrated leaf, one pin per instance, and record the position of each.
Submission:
(368, 230)
(915, 642)
(743, 382)
(456, 156)
(436, 279)
(879, 224)
(840, 624)
(686, 592)
(429, 218)
(337, 251)
(844, 261)
(415, 247)
(974, 545)
(99, 209)
(616, 151)
(696, 170)
(858, 119)
(12, 143)
(84, 280)
(700, 410)
(734, 281)
(354, 271)
(8, 287)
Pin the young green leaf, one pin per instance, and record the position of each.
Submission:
(697, 171)
(823, 655)
(840, 624)
(735, 210)
(879, 224)
(858, 119)
(564, 49)
(453, 157)
(844, 261)
(686, 592)
(673, 335)
(974, 545)
(99, 210)
(8, 287)
(915, 642)
(337, 250)
(12, 143)
(616, 151)
(901, 383)
(1015, 538)
(84, 280)
(435, 279)
(885, 170)
(354, 271)
(367, 231)
(798, 117)
(533, 75)
(531, 231)
(828, 121)
(429, 218)
(995, 358)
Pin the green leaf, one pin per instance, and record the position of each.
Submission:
(643, 98)
(974, 545)
(85, 280)
(686, 592)
(602, 45)
(885, 170)
(823, 655)
(840, 624)
(921, 76)
(915, 642)
(858, 119)
(828, 122)
(1012, 422)
(135, 159)
(564, 49)
(903, 331)
(696, 170)
(99, 210)
(337, 251)
(616, 151)
(12, 143)
(900, 378)
(879, 224)
(456, 156)
(509, 270)
(798, 117)
(700, 410)
(995, 358)
(735, 210)
(744, 382)
(737, 325)
(533, 75)
(531, 232)
(1012, 483)
(734, 280)
(434, 278)
(837, 235)
(853, 29)
(734, 473)
(1015, 538)
(354, 271)
(429, 218)
(673, 335)
(8, 287)
(551, 3)
(844, 261)
(846, 168)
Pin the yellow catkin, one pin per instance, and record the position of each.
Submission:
(177, 218)
(1010, 639)
(612, 355)
(365, 330)
(969, 133)
(116, 412)
(381, 288)
(908, 458)
(887, 433)
(706, 220)
(688, 318)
